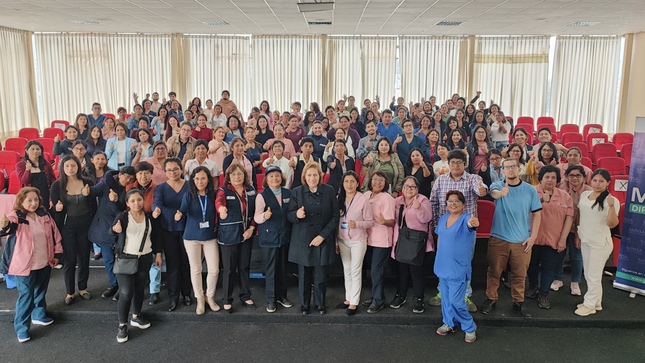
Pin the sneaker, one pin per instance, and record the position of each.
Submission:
(373, 309)
(140, 322)
(417, 306)
(472, 307)
(154, 299)
(58, 266)
(597, 308)
(284, 302)
(116, 296)
(543, 302)
(575, 289)
(122, 334)
(520, 308)
(270, 307)
(43, 322)
(584, 311)
(488, 306)
(366, 303)
(1, 278)
(435, 300)
(470, 337)
(397, 302)
(109, 292)
(24, 337)
(556, 285)
(531, 292)
(445, 330)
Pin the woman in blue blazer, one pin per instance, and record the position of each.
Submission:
(120, 149)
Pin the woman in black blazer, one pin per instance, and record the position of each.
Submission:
(314, 212)
(338, 164)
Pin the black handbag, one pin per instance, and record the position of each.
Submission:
(127, 264)
(411, 245)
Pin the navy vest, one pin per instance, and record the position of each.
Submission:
(276, 231)
(231, 229)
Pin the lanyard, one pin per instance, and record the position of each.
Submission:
(349, 206)
(203, 205)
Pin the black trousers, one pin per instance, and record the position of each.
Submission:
(407, 271)
(76, 250)
(236, 263)
(131, 289)
(275, 260)
(177, 265)
(306, 276)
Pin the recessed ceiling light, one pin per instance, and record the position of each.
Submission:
(449, 23)
(315, 6)
(86, 22)
(319, 22)
(583, 23)
(215, 22)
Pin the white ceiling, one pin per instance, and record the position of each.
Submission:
(350, 17)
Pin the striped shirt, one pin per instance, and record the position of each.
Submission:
(468, 184)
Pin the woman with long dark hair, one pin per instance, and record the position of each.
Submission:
(95, 140)
(34, 171)
(418, 167)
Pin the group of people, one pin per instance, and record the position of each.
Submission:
(177, 184)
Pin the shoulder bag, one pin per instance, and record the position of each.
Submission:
(126, 264)
(410, 247)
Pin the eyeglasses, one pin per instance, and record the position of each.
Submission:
(378, 180)
(509, 167)
(495, 158)
(160, 149)
(79, 149)
(410, 187)
(237, 174)
(173, 170)
(547, 150)
(453, 201)
(575, 175)
(456, 163)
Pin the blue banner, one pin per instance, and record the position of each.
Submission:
(630, 273)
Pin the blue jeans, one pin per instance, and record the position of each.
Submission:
(543, 263)
(108, 258)
(31, 302)
(377, 268)
(96, 248)
(575, 259)
(155, 279)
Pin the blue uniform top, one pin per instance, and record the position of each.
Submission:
(512, 218)
(199, 227)
(391, 132)
(454, 248)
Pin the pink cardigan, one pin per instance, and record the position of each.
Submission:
(417, 219)
(360, 212)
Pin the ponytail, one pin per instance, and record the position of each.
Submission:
(600, 201)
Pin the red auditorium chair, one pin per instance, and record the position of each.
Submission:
(14, 183)
(614, 165)
(522, 120)
(8, 160)
(569, 137)
(326, 178)
(618, 187)
(48, 144)
(626, 153)
(60, 124)
(260, 180)
(485, 211)
(16, 144)
(621, 139)
(586, 162)
(29, 133)
(584, 149)
(569, 128)
(222, 179)
(2, 181)
(109, 115)
(595, 138)
(361, 178)
(542, 120)
(51, 133)
(603, 151)
(591, 128)
(358, 166)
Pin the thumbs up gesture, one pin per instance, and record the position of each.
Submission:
(28, 165)
(56, 138)
(198, 129)
(380, 219)
(223, 212)
(505, 189)
(368, 143)
(86, 190)
(416, 204)
(134, 146)
(111, 145)
(117, 227)
(59, 206)
(398, 139)
(178, 216)
(482, 189)
(4, 222)
(113, 196)
(301, 213)
(156, 213)
(268, 214)
(351, 224)
(473, 222)
(292, 162)
(333, 164)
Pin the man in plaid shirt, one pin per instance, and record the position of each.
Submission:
(471, 186)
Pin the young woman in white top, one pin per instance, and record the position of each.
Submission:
(499, 131)
(441, 167)
(598, 215)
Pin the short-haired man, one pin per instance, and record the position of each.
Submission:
(155, 105)
(137, 113)
(471, 186)
(512, 235)
(182, 146)
(96, 118)
(387, 128)
(369, 142)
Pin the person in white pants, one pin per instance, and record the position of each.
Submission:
(598, 214)
(355, 219)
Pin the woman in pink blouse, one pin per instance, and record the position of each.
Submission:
(218, 149)
(355, 219)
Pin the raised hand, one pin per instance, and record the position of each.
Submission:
(415, 203)
(267, 214)
(333, 164)
(86, 190)
(113, 196)
(134, 146)
(223, 212)
(57, 138)
(398, 139)
(482, 189)
(198, 129)
(380, 219)
(28, 165)
(504, 190)
(368, 143)
(178, 216)
(156, 213)
(301, 213)
(4, 222)
(111, 145)
(117, 228)
(473, 221)
(59, 206)
(367, 160)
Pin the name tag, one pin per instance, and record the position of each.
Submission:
(230, 197)
(250, 193)
(323, 145)
(204, 225)
(286, 200)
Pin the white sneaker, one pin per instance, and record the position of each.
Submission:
(575, 289)
(556, 285)
(584, 311)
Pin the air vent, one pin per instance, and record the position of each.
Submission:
(584, 23)
(449, 23)
(215, 22)
(319, 22)
(86, 22)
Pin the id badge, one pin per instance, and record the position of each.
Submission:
(204, 224)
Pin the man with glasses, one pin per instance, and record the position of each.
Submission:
(512, 235)
(96, 117)
(182, 146)
(472, 187)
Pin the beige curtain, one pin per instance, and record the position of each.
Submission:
(18, 105)
(586, 79)
(513, 71)
(433, 66)
(214, 64)
(76, 70)
(286, 69)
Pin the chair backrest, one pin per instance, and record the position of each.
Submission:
(222, 179)
(622, 138)
(584, 149)
(545, 120)
(525, 120)
(109, 115)
(614, 165)
(568, 137)
(16, 144)
(591, 128)
(358, 166)
(260, 179)
(48, 144)
(586, 162)
(595, 138)
(51, 133)
(485, 212)
(529, 130)
(602, 151)
(618, 187)
(14, 183)
(8, 160)
(29, 133)
(626, 153)
(326, 178)
(569, 128)
(60, 124)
